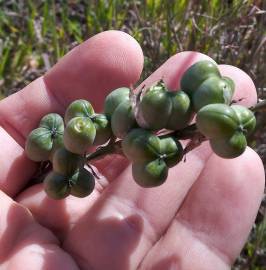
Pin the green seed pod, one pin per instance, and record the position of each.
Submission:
(155, 109)
(53, 122)
(43, 141)
(217, 121)
(246, 118)
(82, 183)
(114, 99)
(103, 129)
(123, 120)
(181, 113)
(39, 144)
(212, 90)
(79, 135)
(56, 186)
(151, 174)
(141, 145)
(196, 74)
(78, 108)
(229, 147)
(171, 151)
(65, 162)
(231, 84)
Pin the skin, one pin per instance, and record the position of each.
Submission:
(199, 219)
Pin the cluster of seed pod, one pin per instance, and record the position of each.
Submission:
(203, 92)
(225, 125)
(65, 142)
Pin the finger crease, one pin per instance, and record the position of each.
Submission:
(201, 237)
(12, 131)
(53, 96)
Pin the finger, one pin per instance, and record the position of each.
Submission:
(15, 166)
(212, 225)
(245, 92)
(24, 242)
(106, 61)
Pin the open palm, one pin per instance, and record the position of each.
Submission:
(199, 219)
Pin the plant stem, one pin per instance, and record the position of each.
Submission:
(109, 149)
(115, 147)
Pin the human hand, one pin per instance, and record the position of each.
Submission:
(199, 219)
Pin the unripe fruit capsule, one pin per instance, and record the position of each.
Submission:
(196, 74)
(123, 120)
(56, 186)
(231, 84)
(217, 121)
(78, 108)
(66, 163)
(155, 109)
(181, 110)
(79, 135)
(39, 144)
(150, 174)
(103, 129)
(229, 147)
(116, 97)
(82, 183)
(213, 90)
(246, 118)
(141, 145)
(42, 142)
(171, 151)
